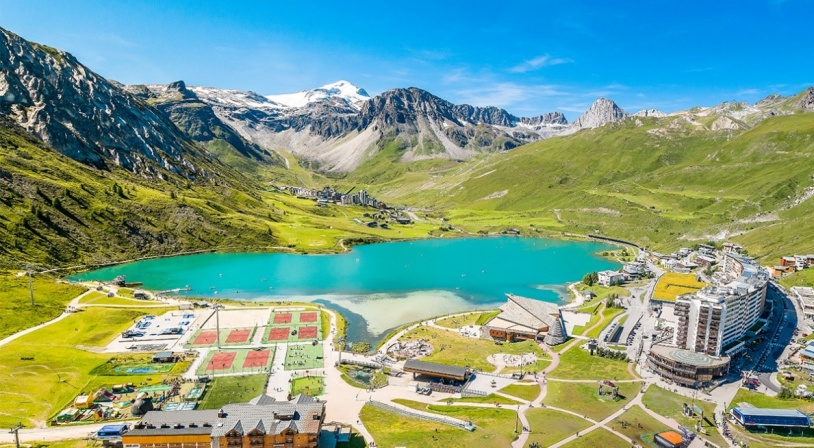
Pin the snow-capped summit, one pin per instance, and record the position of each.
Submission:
(341, 90)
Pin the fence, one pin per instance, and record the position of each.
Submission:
(454, 422)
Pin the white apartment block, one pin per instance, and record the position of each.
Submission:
(609, 278)
(716, 317)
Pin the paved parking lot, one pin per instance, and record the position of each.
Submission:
(163, 332)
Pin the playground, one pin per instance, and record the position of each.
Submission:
(237, 361)
(293, 326)
(228, 337)
(137, 364)
(303, 357)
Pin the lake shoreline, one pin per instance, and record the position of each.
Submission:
(385, 285)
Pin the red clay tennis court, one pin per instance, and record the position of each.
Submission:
(221, 361)
(256, 358)
(238, 336)
(282, 318)
(308, 317)
(278, 334)
(309, 332)
(206, 338)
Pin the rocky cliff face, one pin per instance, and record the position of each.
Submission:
(336, 134)
(84, 116)
(549, 119)
(601, 112)
(807, 100)
(198, 120)
(655, 113)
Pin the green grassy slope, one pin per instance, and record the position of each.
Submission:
(650, 181)
(57, 212)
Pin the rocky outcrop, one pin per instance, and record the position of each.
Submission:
(770, 100)
(725, 123)
(806, 102)
(335, 134)
(551, 118)
(601, 112)
(654, 113)
(84, 116)
(198, 119)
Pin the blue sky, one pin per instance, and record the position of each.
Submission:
(528, 57)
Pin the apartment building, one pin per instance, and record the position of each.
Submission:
(714, 319)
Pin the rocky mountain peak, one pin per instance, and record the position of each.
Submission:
(807, 100)
(340, 93)
(769, 100)
(84, 116)
(601, 112)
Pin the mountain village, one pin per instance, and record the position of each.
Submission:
(711, 337)
(692, 326)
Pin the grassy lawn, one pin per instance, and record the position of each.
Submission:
(526, 392)
(494, 428)
(609, 314)
(303, 357)
(638, 426)
(59, 369)
(596, 310)
(602, 292)
(50, 300)
(799, 278)
(452, 348)
(325, 323)
(536, 366)
(491, 398)
(549, 426)
(311, 385)
(669, 404)
(478, 318)
(597, 438)
(578, 364)
(75, 443)
(583, 398)
(232, 389)
(341, 326)
(100, 298)
(759, 400)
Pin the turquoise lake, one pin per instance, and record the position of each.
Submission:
(380, 286)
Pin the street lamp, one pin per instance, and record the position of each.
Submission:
(16, 431)
(28, 270)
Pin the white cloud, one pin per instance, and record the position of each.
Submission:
(505, 94)
(538, 63)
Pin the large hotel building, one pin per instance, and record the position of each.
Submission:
(712, 323)
(715, 319)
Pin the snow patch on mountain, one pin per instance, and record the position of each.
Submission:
(234, 98)
(341, 90)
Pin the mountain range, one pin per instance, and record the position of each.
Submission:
(165, 168)
(337, 127)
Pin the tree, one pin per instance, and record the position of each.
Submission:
(785, 393)
(588, 279)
